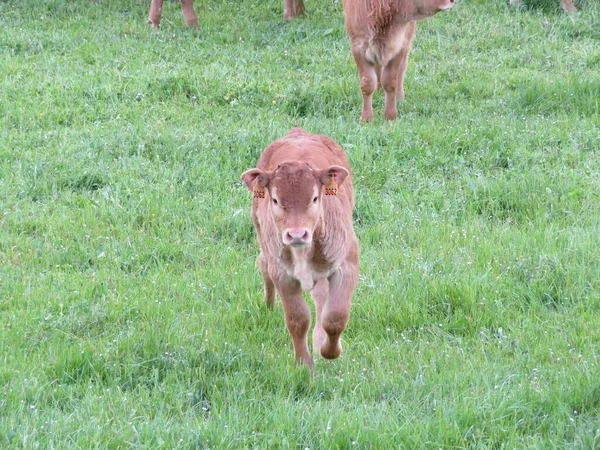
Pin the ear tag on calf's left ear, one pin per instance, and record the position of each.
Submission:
(258, 191)
(331, 188)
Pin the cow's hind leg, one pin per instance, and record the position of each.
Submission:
(336, 311)
(389, 82)
(268, 282)
(189, 15)
(404, 52)
(368, 83)
(293, 8)
(297, 318)
(155, 13)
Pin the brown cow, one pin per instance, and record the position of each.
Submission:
(291, 9)
(566, 5)
(302, 212)
(380, 33)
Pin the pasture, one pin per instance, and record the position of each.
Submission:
(131, 306)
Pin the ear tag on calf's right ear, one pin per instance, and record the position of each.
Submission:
(258, 191)
(331, 188)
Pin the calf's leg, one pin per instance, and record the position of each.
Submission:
(368, 83)
(155, 13)
(297, 318)
(268, 282)
(568, 6)
(410, 34)
(336, 311)
(189, 15)
(319, 294)
(293, 8)
(389, 82)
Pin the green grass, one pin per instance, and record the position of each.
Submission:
(131, 311)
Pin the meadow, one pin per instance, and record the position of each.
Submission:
(131, 308)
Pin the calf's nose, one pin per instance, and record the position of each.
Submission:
(296, 236)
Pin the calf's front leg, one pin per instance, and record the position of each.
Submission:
(293, 8)
(155, 13)
(268, 282)
(336, 310)
(297, 318)
(189, 15)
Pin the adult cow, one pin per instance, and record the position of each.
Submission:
(381, 33)
(291, 9)
(302, 212)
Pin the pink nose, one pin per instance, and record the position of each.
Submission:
(296, 236)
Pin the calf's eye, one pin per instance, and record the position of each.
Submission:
(315, 199)
(274, 201)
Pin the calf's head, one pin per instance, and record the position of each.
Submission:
(295, 194)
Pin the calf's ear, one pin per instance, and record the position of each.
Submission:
(256, 180)
(334, 174)
(252, 176)
(332, 178)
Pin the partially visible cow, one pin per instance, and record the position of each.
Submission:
(291, 9)
(302, 212)
(187, 8)
(566, 5)
(381, 33)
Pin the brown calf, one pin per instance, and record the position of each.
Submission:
(302, 212)
(381, 33)
(566, 5)
(291, 9)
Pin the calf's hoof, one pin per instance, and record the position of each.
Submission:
(390, 115)
(331, 351)
(367, 117)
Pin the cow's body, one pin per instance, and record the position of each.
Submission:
(291, 9)
(303, 221)
(381, 33)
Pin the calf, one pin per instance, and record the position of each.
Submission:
(302, 212)
(381, 33)
(291, 9)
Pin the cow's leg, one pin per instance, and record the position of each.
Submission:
(336, 311)
(293, 8)
(189, 15)
(389, 82)
(268, 282)
(297, 318)
(404, 51)
(319, 294)
(155, 13)
(568, 6)
(368, 83)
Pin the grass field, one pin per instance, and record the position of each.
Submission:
(131, 311)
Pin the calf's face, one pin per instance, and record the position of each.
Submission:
(295, 195)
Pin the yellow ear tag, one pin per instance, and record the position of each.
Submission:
(331, 188)
(258, 191)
